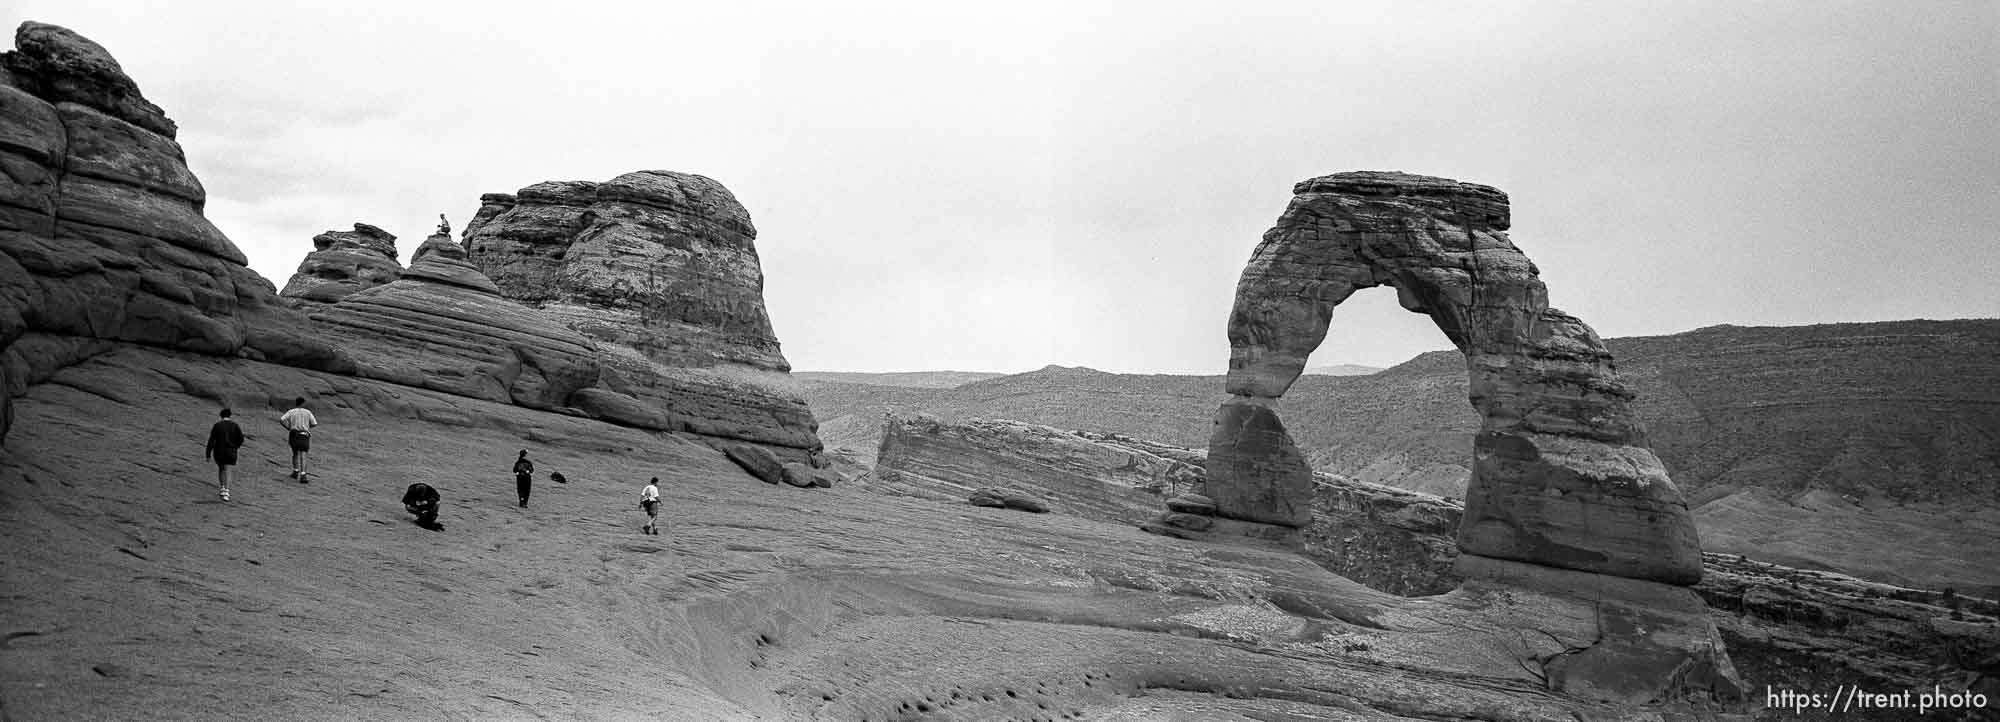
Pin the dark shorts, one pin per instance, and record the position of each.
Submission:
(225, 457)
(652, 507)
(301, 441)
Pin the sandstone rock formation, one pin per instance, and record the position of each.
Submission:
(102, 238)
(1862, 448)
(444, 326)
(1561, 476)
(1790, 628)
(926, 457)
(660, 269)
(343, 262)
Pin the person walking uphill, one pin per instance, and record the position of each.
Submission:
(298, 424)
(224, 438)
(649, 499)
(524, 476)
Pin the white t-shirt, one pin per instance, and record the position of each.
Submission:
(298, 419)
(651, 493)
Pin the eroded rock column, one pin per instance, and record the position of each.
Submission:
(1560, 473)
(343, 262)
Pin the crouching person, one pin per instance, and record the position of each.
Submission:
(422, 500)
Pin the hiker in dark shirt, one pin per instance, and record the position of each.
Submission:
(524, 476)
(422, 500)
(224, 438)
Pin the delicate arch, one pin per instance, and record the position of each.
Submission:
(1560, 473)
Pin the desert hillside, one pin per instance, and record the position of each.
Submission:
(1871, 449)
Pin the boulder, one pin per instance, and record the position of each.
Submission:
(757, 460)
(799, 475)
(1561, 475)
(660, 269)
(343, 262)
(1191, 503)
(1002, 498)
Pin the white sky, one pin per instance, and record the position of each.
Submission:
(1001, 186)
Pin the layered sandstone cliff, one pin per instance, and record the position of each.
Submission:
(102, 238)
(444, 326)
(661, 271)
(925, 457)
(103, 243)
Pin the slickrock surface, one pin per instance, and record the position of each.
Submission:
(660, 269)
(1393, 540)
(343, 262)
(101, 231)
(1560, 473)
(1788, 628)
(127, 578)
(444, 327)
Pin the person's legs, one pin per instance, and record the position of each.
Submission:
(222, 480)
(301, 444)
(521, 484)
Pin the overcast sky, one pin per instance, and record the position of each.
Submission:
(1003, 186)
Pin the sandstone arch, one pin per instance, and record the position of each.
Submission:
(1560, 475)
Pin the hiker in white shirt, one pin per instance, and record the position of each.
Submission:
(298, 425)
(649, 499)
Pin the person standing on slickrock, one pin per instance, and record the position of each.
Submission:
(649, 499)
(298, 424)
(224, 438)
(524, 476)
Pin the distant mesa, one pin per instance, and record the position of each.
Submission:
(1342, 370)
(343, 262)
